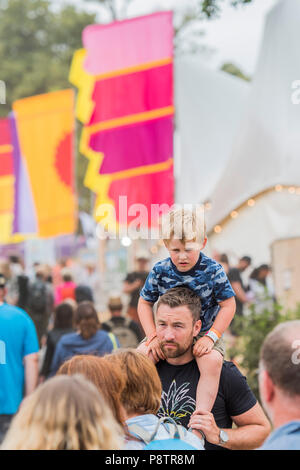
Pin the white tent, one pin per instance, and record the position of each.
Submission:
(209, 106)
(265, 150)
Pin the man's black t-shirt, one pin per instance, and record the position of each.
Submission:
(234, 275)
(179, 394)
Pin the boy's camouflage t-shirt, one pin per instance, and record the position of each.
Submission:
(207, 278)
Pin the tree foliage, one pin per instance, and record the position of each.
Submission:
(253, 328)
(188, 18)
(235, 71)
(36, 46)
(203, 8)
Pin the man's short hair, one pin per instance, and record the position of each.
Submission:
(277, 357)
(247, 259)
(182, 296)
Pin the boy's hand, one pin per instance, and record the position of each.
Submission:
(203, 346)
(154, 348)
(203, 420)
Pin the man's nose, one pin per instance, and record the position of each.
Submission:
(169, 334)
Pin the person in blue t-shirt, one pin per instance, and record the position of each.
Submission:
(279, 385)
(89, 339)
(183, 232)
(18, 358)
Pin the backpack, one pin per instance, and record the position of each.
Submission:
(126, 336)
(37, 296)
(174, 442)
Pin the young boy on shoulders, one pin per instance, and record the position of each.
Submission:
(183, 232)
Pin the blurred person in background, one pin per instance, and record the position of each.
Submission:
(126, 330)
(141, 398)
(82, 293)
(222, 259)
(11, 282)
(18, 358)
(64, 413)
(65, 290)
(40, 301)
(261, 289)
(63, 324)
(134, 282)
(236, 281)
(279, 385)
(88, 339)
(56, 271)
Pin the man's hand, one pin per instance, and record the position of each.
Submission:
(204, 421)
(203, 346)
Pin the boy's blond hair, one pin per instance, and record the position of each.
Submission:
(183, 224)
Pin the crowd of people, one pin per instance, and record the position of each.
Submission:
(136, 380)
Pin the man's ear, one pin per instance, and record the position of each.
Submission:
(266, 387)
(197, 327)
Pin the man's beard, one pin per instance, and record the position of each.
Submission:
(177, 351)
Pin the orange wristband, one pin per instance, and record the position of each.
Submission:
(152, 336)
(216, 332)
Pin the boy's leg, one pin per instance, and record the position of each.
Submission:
(210, 366)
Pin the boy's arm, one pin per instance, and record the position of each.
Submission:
(145, 314)
(146, 318)
(225, 315)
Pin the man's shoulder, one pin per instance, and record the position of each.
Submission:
(69, 338)
(101, 335)
(229, 369)
(16, 312)
(286, 437)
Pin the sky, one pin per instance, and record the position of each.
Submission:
(234, 37)
(237, 35)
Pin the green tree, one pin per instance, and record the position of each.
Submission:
(253, 329)
(37, 44)
(202, 8)
(188, 18)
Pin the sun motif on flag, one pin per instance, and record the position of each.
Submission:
(63, 159)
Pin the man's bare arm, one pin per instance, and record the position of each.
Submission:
(31, 365)
(129, 287)
(239, 291)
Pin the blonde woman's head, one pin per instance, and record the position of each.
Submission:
(65, 413)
